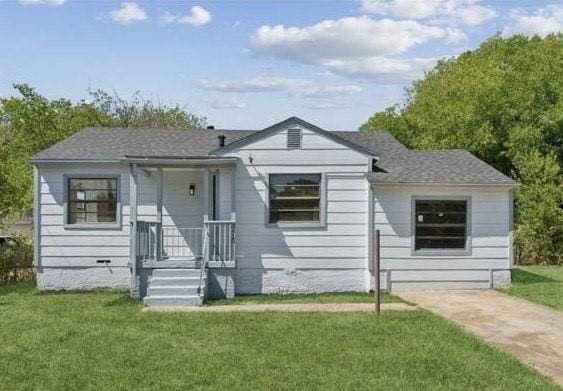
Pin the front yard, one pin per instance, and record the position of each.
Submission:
(542, 284)
(103, 341)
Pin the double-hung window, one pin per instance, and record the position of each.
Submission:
(92, 200)
(295, 198)
(441, 225)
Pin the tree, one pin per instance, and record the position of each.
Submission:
(504, 103)
(30, 123)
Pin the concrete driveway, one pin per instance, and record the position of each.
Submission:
(531, 332)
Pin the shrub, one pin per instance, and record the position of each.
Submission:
(16, 259)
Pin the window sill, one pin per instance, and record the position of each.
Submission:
(442, 253)
(296, 225)
(93, 226)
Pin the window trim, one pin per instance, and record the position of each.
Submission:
(304, 224)
(442, 252)
(94, 226)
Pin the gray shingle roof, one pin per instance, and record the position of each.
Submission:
(396, 164)
(437, 167)
(118, 143)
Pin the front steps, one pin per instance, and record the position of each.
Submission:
(174, 287)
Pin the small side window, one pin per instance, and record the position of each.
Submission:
(294, 138)
(92, 201)
(440, 225)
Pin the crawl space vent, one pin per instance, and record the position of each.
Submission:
(293, 138)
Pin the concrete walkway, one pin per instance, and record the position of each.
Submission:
(531, 332)
(308, 307)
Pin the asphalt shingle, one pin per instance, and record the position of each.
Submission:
(396, 164)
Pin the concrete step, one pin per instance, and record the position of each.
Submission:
(172, 300)
(173, 290)
(176, 273)
(174, 281)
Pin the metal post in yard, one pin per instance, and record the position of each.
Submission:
(377, 272)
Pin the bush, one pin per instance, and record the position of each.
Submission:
(16, 260)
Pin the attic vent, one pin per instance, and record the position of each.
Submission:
(293, 138)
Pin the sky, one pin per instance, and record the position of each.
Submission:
(249, 64)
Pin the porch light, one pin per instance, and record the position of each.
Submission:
(192, 189)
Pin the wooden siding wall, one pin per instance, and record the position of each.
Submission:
(331, 258)
(68, 256)
(490, 240)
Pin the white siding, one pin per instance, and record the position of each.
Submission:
(331, 258)
(69, 255)
(490, 233)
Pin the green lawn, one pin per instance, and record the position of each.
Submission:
(542, 284)
(338, 297)
(101, 341)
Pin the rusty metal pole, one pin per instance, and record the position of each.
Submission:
(377, 272)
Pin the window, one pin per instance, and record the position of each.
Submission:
(293, 138)
(440, 225)
(295, 198)
(92, 200)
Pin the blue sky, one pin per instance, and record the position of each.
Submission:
(248, 64)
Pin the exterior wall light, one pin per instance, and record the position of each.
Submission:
(192, 190)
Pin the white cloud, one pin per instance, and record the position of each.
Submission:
(465, 12)
(197, 17)
(41, 2)
(129, 12)
(226, 103)
(346, 37)
(257, 84)
(382, 69)
(355, 46)
(542, 21)
(292, 86)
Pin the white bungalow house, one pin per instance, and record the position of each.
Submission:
(177, 214)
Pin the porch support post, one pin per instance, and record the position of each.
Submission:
(133, 195)
(233, 194)
(159, 193)
(205, 195)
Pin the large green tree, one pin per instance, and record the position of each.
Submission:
(504, 103)
(30, 123)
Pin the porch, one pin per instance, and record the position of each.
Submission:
(182, 224)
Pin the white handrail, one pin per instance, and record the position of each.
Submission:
(204, 260)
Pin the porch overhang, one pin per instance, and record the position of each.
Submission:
(179, 161)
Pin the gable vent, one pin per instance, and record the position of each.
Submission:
(293, 138)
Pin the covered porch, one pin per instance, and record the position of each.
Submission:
(182, 217)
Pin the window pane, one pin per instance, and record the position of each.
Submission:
(440, 224)
(92, 200)
(295, 197)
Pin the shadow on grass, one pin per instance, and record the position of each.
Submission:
(25, 287)
(525, 277)
(121, 300)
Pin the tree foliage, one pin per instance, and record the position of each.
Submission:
(504, 103)
(30, 123)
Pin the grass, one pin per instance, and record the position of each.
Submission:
(338, 297)
(102, 340)
(542, 284)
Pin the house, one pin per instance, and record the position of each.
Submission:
(175, 214)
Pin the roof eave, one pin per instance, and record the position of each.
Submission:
(450, 184)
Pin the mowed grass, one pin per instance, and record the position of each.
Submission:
(542, 284)
(337, 297)
(102, 341)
